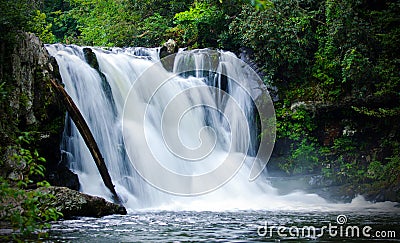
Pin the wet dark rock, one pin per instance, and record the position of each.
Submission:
(30, 104)
(379, 192)
(91, 58)
(73, 203)
(320, 181)
(247, 55)
(166, 54)
(333, 191)
(336, 193)
(169, 47)
(62, 176)
(315, 184)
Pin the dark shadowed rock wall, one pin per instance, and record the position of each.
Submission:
(29, 105)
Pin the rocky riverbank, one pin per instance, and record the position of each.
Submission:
(333, 191)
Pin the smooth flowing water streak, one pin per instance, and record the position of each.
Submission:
(184, 139)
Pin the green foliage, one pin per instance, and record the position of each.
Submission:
(102, 23)
(388, 170)
(346, 164)
(343, 144)
(392, 169)
(156, 27)
(351, 167)
(3, 92)
(330, 52)
(380, 112)
(145, 23)
(23, 15)
(282, 37)
(375, 170)
(14, 15)
(261, 4)
(331, 49)
(30, 159)
(41, 28)
(63, 25)
(303, 159)
(200, 24)
(297, 124)
(23, 209)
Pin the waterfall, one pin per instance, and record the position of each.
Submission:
(118, 69)
(186, 138)
(190, 132)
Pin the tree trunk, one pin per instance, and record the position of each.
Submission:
(87, 136)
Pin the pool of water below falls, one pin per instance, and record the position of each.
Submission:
(231, 226)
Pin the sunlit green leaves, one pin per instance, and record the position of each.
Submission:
(261, 4)
(40, 26)
(103, 23)
(200, 24)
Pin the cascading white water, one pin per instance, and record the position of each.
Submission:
(131, 128)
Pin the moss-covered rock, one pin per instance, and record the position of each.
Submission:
(28, 103)
(73, 203)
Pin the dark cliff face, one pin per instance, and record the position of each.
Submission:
(28, 103)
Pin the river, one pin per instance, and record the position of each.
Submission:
(231, 226)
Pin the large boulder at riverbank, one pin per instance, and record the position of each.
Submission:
(73, 203)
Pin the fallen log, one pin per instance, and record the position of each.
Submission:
(87, 136)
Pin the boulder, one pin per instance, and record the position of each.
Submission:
(62, 176)
(168, 48)
(167, 59)
(73, 203)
